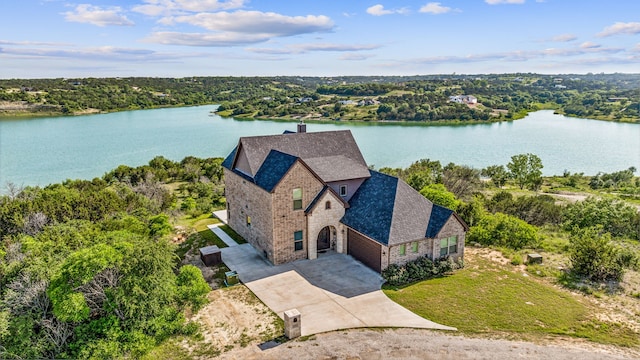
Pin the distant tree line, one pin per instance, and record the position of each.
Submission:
(397, 98)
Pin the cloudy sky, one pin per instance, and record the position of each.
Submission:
(175, 38)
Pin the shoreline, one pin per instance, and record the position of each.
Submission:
(26, 115)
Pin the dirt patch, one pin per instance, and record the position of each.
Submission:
(235, 318)
(424, 344)
(569, 197)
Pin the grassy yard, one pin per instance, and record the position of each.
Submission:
(200, 235)
(234, 235)
(486, 297)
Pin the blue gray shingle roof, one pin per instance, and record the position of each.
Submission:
(228, 161)
(439, 217)
(371, 207)
(273, 168)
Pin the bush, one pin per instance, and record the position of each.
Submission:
(504, 230)
(191, 286)
(419, 269)
(439, 195)
(615, 217)
(594, 256)
(516, 259)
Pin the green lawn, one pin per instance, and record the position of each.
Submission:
(232, 234)
(486, 298)
(202, 236)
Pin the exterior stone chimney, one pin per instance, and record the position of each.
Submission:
(302, 127)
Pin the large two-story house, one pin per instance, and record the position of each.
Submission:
(301, 193)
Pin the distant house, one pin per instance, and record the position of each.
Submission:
(368, 102)
(295, 195)
(463, 99)
(346, 102)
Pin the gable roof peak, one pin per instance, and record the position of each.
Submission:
(335, 154)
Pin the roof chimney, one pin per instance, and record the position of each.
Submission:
(302, 127)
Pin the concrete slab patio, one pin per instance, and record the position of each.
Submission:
(332, 292)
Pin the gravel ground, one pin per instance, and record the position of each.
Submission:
(371, 344)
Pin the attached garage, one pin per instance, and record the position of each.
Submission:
(363, 249)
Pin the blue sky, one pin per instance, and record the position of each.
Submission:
(176, 38)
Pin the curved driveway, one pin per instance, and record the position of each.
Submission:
(332, 292)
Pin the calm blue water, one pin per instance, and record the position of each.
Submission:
(49, 150)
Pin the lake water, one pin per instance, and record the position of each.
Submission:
(49, 150)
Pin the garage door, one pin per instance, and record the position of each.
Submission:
(363, 249)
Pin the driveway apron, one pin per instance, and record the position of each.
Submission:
(332, 292)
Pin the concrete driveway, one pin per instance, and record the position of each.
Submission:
(332, 292)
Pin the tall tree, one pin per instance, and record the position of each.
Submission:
(526, 170)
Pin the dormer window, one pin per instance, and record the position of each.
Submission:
(297, 198)
(343, 190)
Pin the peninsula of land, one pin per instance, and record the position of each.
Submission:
(429, 99)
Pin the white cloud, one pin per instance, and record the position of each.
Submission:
(589, 45)
(496, 2)
(32, 43)
(95, 15)
(109, 53)
(618, 28)
(564, 38)
(355, 56)
(435, 8)
(257, 22)
(379, 10)
(205, 39)
(518, 55)
(305, 48)
(168, 7)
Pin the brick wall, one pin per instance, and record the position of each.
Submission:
(452, 227)
(428, 247)
(425, 247)
(247, 199)
(286, 220)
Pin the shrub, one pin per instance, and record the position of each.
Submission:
(594, 256)
(191, 287)
(419, 269)
(615, 217)
(516, 259)
(439, 195)
(504, 230)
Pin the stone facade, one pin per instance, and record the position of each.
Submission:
(285, 219)
(320, 217)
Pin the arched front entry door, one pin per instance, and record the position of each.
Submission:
(324, 237)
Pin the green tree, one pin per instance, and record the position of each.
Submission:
(526, 170)
(594, 256)
(615, 217)
(504, 230)
(439, 195)
(159, 225)
(497, 173)
(191, 287)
